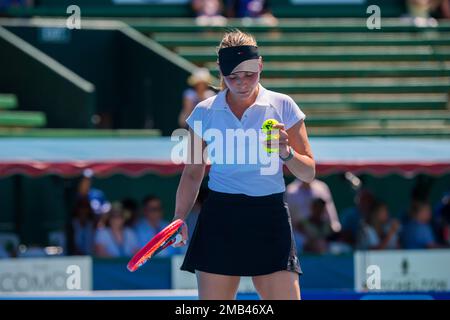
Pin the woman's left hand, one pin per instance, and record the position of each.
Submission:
(283, 141)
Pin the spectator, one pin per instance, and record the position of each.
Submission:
(97, 199)
(354, 216)
(379, 232)
(81, 229)
(9, 244)
(258, 10)
(114, 239)
(316, 228)
(420, 12)
(151, 223)
(300, 195)
(131, 206)
(445, 9)
(442, 219)
(445, 229)
(420, 193)
(199, 91)
(418, 233)
(209, 12)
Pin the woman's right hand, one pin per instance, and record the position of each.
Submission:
(184, 236)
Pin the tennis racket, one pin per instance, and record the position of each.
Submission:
(166, 237)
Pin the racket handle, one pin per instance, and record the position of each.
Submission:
(178, 239)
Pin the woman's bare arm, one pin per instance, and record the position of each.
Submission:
(191, 178)
(302, 165)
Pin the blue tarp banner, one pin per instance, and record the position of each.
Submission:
(112, 274)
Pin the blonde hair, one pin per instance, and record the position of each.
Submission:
(235, 38)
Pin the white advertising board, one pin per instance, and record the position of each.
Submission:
(46, 274)
(402, 270)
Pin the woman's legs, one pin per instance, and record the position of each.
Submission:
(213, 286)
(280, 285)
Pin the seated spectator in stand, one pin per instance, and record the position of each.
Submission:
(420, 12)
(97, 199)
(209, 12)
(445, 9)
(81, 229)
(300, 195)
(131, 206)
(420, 193)
(418, 233)
(251, 10)
(9, 244)
(151, 223)
(441, 219)
(114, 239)
(316, 228)
(441, 10)
(353, 217)
(378, 231)
(199, 91)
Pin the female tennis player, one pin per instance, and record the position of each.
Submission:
(244, 227)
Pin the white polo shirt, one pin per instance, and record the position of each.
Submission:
(233, 176)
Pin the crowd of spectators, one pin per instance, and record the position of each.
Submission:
(119, 229)
(369, 224)
(216, 12)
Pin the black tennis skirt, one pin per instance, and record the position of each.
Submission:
(242, 235)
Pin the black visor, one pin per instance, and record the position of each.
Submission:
(230, 58)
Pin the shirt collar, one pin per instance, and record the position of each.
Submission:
(262, 100)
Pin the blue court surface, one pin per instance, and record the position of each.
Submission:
(192, 295)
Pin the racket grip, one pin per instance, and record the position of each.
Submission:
(178, 239)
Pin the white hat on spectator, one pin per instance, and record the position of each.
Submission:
(198, 76)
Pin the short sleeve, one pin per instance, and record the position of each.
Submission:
(291, 113)
(196, 120)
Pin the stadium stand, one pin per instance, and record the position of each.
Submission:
(18, 119)
(348, 81)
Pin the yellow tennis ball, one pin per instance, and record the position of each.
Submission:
(266, 127)
(271, 137)
(268, 124)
